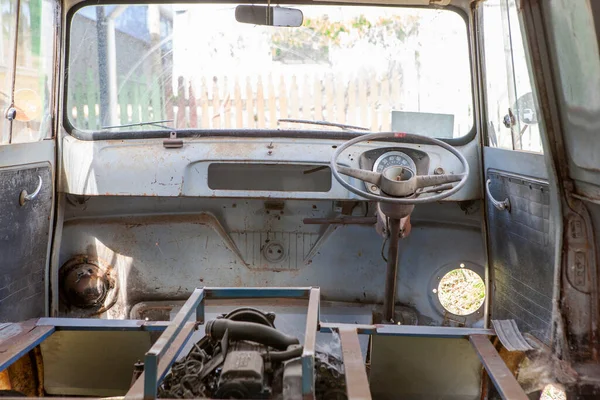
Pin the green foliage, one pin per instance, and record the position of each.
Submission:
(317, 36)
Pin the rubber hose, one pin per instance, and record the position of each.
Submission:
(280, 356)
(238, 330)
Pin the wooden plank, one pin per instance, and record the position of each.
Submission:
(503, 379)
(226, 104)
(283, 110)
(396, 96)
(157, 106)
(239, 119)
(193, 106)
(363, 103)
(181, 120)
(294, 100)
(318, 99)
(17, 346)
(340, 102)
(169, 101)
(357, 383)
(272, 104)
(204, 105)
(386, 116)
(373, 97)
(249, 104)
(216, 103)
(329, 105)
(260, 103)
(307, 102)
(352, 102)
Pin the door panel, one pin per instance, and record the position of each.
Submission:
(25, 229)
(521, 239)
(521, 248)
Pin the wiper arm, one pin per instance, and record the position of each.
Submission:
(323, 123)
(154, 123)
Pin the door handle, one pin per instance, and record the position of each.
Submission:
(25, 197)
(500, 205)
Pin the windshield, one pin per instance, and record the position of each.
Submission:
(148, 67)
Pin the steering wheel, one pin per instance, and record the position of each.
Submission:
(401, 185)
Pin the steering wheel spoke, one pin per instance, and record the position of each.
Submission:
(434, 180)
(361, 174)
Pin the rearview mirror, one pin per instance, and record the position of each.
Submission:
(271, 16)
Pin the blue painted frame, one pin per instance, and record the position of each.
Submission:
(177, 332)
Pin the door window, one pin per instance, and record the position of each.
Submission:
(511, 107)
(28, 87)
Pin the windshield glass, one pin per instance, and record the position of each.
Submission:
(148, 67)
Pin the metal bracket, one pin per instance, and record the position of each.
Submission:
(213, 222)
(172, 142)
(320, 242)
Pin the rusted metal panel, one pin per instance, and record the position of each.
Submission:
(158, 260)
(357, 383)
(503, 379)
(553, 27)
(579, 283)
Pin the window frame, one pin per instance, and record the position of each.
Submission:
(269, 133)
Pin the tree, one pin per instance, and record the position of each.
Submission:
(320, 38)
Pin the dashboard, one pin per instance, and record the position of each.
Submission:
(228, 167)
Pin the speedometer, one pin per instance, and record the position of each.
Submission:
(394, 158)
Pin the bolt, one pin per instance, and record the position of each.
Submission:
(11, 113)
(438, 171)
(374, 187)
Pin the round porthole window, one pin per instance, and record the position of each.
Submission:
(461, 291)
